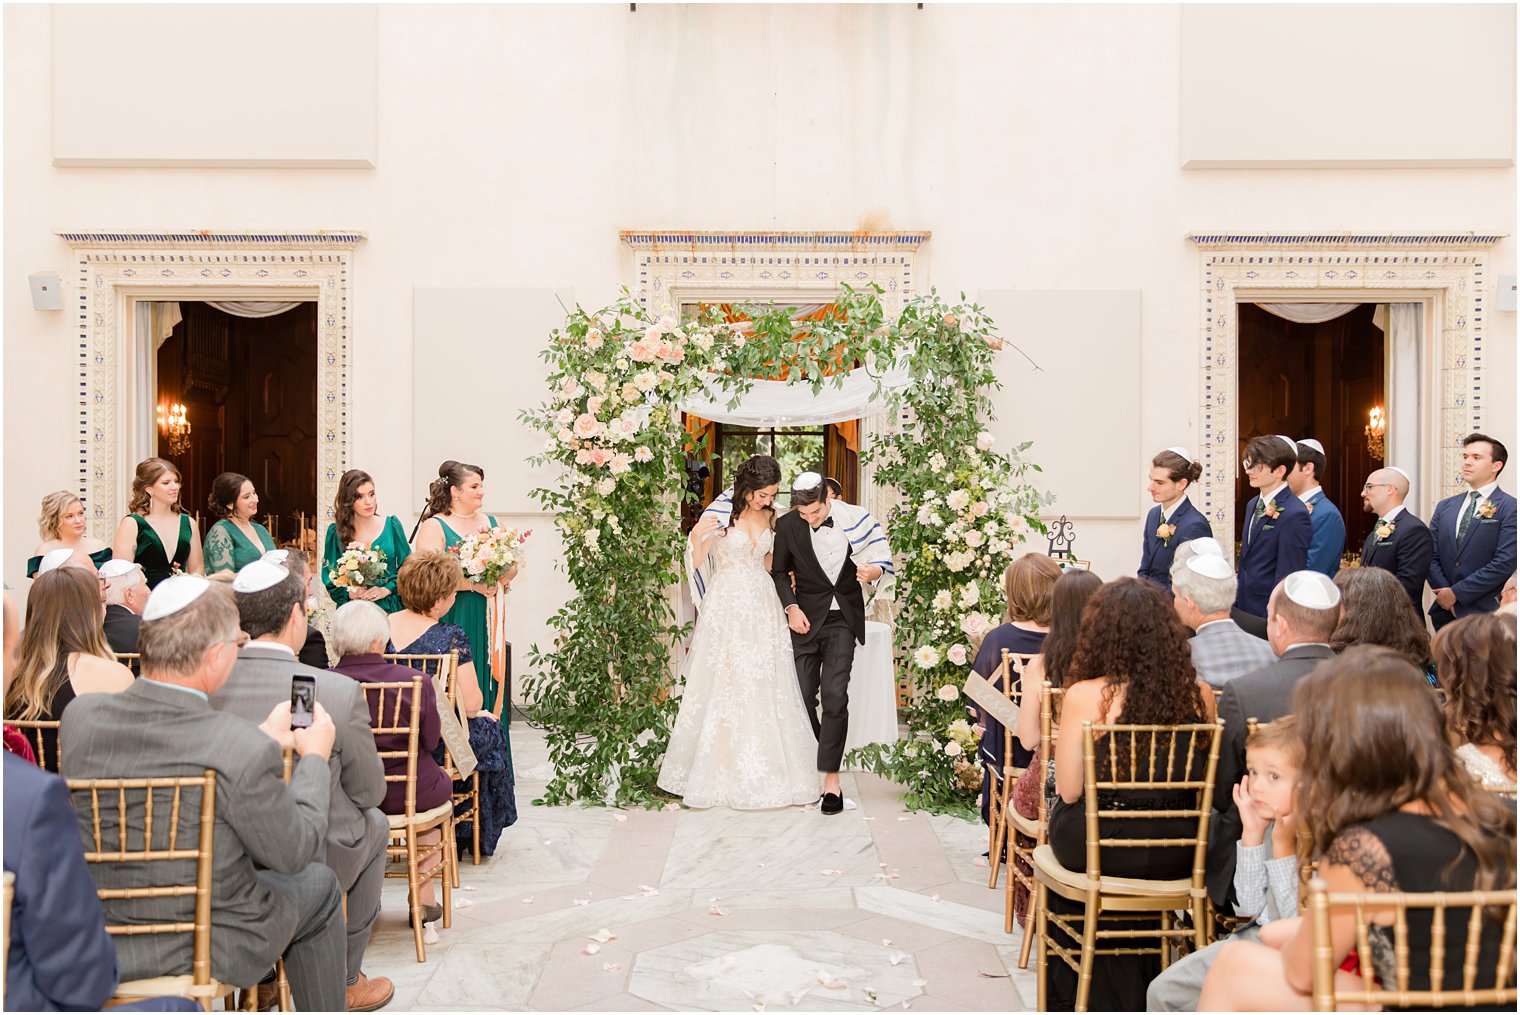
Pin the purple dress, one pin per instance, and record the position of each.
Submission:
(432, 784)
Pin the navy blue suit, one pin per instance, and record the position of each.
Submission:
(1406, 553)
(1272, 550)
(1156, 559)
(61, 958)
(1327, 540)
(1476, 570)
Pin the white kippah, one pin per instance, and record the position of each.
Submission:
(54, 559)
(1407, 476)
(1310, 442)
(807, 481)
(1292, 444)
(115, 568)
(279, 557)
(174, 594)
(1184, 452)
(258, 576)
(1312, 590)
(1206, 546)
(1210, 566)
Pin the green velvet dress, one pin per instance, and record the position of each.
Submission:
(391, 542)
(228, 549)
(470, 613)
(149, 552)
(99, 557)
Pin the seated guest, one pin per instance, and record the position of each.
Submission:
(1399, 542)
(1373, 612)
(15, 741)
(1027, 584)
(427, 584)
(1266, 866)
(1275, 540)
(1327, 539)
(1473, 535)
(62, 526)
(313, 651)
(1388, 808)
(235, 539)
(1067, 598)
(270, 894)
(63, 653)
(1174, 520)
(1203, 589)
(271, 605)
(64, 557)
(360, 633)
(1132, 667)
(1302, 611)
(1475, 662)
(126, 595)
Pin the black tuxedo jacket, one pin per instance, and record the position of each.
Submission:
(793, 555)
(1406, 553)
(121, 628)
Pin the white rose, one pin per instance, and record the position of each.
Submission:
(550, 446)
(970, 594)
(924, 513)
(952, 749)
(476, 567)
(974, 538)
(936, 461)
(980, 508)
(984, 441)
(958, 500)
(957, 654)
(927, 657)
(943, 599)
(947, 692)
(935, 520)
(606, 485)
(974, 625)
(596, 379)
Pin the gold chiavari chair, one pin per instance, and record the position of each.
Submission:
(40, 733)
(388, 702)
(467, 801)
(1152, 754)
(1001, 778)
(1039, 829)
(1454, 922)
(131, 660)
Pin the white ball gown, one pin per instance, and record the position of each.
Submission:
(742, 738)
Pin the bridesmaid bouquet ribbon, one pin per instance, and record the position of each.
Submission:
(486, 557)
(359, 567)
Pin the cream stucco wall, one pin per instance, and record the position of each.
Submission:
(1041, 145)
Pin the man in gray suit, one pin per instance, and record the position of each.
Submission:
(271, 603)
(271, 895)
(1203, 590)
(1301, 613)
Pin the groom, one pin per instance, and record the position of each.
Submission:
(826, 548)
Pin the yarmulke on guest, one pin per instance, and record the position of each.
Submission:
(1207, 546)
(54, 559)
(1292, 444)
(1210, 566)
(280, 557)
(174, 594)
(116, 568)
(1182, 453)
(1311, 590)
(258, 576)
(807, 481)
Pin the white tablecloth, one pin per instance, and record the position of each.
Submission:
(873, 690)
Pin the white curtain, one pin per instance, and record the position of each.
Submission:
(1405, 406)
(162, 317)
(780, 403)
(1309, 313)
(253, 308)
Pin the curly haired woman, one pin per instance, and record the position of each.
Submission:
(1475, 661)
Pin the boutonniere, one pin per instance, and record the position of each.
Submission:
(1384, 531)
(1165, 532)
(1270, 509)
(1309, 505)
(1486, 509)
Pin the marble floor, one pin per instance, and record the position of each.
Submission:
(590, 909)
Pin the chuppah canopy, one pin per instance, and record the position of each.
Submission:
(795, 403)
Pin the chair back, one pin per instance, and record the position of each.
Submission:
(40, 733)
(392, 712)
(1478, 926)
(131, 660)
(122, 816)
(1049, 698)
(445, 665)
(1010, 673)
(1177, 762)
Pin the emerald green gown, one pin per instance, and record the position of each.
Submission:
(391, 542)
(469, 612)
(228, 549)
(149, 551)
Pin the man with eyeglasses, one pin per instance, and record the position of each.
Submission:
(1399, 542)
(1274, 541)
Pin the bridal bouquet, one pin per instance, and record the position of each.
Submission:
(359, 567)
(489, 554)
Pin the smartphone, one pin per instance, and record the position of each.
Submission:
(303, 700)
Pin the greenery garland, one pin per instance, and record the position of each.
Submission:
(612, 424)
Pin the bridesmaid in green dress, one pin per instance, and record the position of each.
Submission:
(157, 521)
(235, 540)
(357, 521)
(453, 512)
(62, 526)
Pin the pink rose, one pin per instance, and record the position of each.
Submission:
(587, 425)
(594, 403)
(957, 654)
(674, 354)
(641, 352)
(652, 335)
(583, 457)
(600, 457)
(953, 749)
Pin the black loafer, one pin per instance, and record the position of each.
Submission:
(832, 803)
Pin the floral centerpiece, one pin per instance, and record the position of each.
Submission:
(489, 554)
(359, 566)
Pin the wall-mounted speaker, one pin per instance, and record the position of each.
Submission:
(47, 291)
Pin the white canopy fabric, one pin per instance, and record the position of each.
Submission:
(783, 403)
(252, 308)
(1309, 313)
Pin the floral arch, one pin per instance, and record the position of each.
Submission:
(613, 425)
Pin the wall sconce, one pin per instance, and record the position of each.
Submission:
(174, 427)
(1377, 425)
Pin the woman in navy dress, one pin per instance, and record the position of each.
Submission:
(1174, 520)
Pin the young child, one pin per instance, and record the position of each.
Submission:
(1266, 868)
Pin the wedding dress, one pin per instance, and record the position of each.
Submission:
(742, 738)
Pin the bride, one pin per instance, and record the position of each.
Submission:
(742, 738)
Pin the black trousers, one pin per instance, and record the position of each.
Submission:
(823, 672)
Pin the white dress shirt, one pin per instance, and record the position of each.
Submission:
(1484, 493)
(1393, 513)
(833, 550)
(1308, 494)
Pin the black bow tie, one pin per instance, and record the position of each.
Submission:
(827, 523)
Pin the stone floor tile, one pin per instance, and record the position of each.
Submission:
(954, 971)
(621, 1002)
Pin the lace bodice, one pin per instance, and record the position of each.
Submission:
(735, 549)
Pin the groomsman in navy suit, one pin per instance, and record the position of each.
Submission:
(1399, 542)
(1474, 536)
(1327, 539)
(1275, 541)
(1174, 520)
